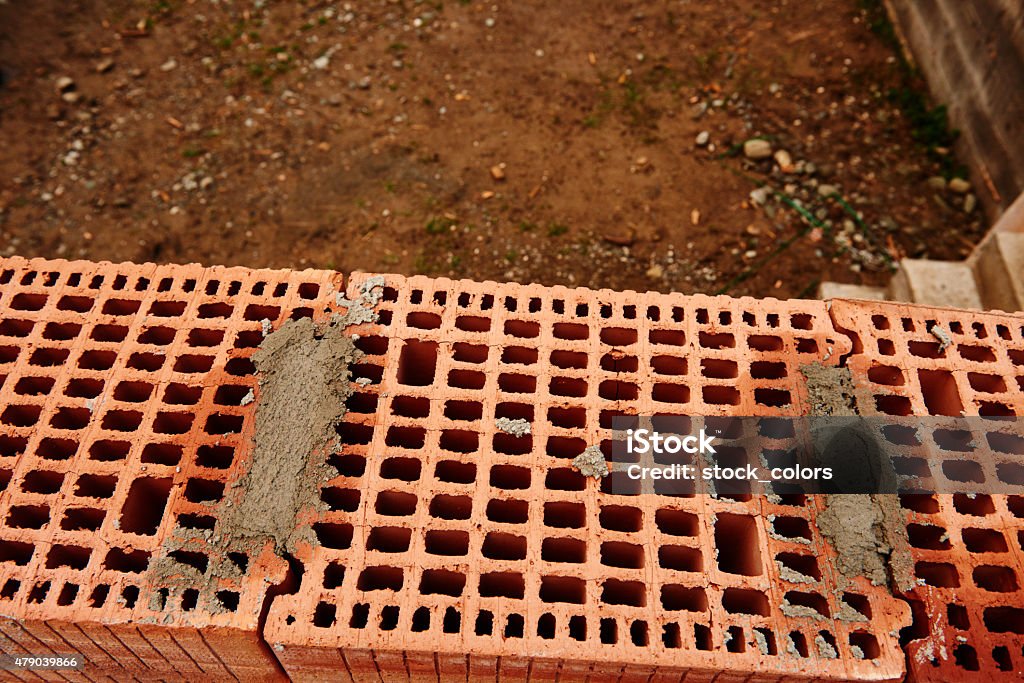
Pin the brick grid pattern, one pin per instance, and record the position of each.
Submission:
(968, 551)
(446, 546)
(121, 425)
(447, 535)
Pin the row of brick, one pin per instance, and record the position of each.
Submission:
(445, 546)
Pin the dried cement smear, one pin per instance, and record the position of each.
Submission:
(591, 463)
(866, 531)
(304, 383)
(830, 390)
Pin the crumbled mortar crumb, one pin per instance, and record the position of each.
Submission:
(517, 427)
(591, 463)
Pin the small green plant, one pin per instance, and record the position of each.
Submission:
(192, 152)
(439, 225)
(557, 230)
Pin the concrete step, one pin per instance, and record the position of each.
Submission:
(839, 290)
(998, 266)
(935, 283)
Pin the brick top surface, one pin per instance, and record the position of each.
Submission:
(127, 409)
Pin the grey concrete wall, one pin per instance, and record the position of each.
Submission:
(971, 52)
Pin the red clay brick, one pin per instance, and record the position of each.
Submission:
(969, 626)
(124, 383)
(443, 361)
(121, 426)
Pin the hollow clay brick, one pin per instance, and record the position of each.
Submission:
(122, 424)
(455, 538)
(124, 383)
(968, 604)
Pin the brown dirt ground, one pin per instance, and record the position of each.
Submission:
(362, 136)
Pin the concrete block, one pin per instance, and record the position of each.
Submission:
(841, 290)
(935, 283)
(998, 266)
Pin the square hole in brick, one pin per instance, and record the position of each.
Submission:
(404, 469)
(568, 386)
(621, 518)
(389, 539)
(172, 423)
(569, 360)
(463, 410)
(810, 600)
(133, 392)
(565, 589)
(97, 360)
(451, 507)
(109, 451)
(687, 598)
(459, 441)
(334, 536)
(34, 386)
(204, 490)
(502, 585)
(565, 515)
(519, 355)
(681, 558)
(334, 575)
(455, 472)
(564, 479)
(410, 406)
(676, 522)
(417, 363)
(570, 550)
(129, 561)
(28, 516)
(381, 578)
(95, 486)
(216, 457)
(82, 519)
(232, 394)
(412, 438)
(442, 582)
(508, 511)
(448, 543)
(42, 481)
(502, 546)
(984, 540)
(571, 417)
(745, 601)
(994, 578)
(737, 543)
(395, 503)
(347, 465)
(182, 394)
(340, 499)
(670, 393)
(162, 454)
(510, 477)
(620, 554)
(144, 505)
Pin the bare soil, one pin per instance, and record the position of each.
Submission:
(551, 142)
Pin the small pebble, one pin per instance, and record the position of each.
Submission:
(703, 138)
(959, 185)
(757, 149)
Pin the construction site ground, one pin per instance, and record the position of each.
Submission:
(575, 143)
